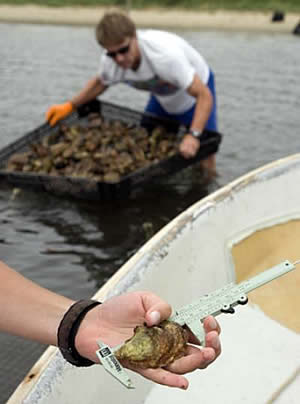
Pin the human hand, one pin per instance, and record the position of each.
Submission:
(189, 146)
(59, 111)
(114, 320)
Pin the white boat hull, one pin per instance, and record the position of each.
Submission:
(191, 256)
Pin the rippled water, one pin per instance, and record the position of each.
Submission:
(72, 247)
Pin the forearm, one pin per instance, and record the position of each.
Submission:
(93, 88)
(204, 103)
(203, 109)
(28, 310)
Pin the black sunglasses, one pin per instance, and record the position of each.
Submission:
(122, 51)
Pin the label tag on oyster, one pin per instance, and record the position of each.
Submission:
(224, 299)
(112, 365)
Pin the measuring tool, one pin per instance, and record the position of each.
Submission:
(192, 315)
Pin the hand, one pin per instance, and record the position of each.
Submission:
(59, 111)
(189, 146)
(113, 322)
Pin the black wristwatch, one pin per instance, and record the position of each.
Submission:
(195, 133)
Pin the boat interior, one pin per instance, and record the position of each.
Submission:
(280, 299)
(247, 227)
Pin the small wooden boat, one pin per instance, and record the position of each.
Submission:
(240, 230)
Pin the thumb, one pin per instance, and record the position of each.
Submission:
(52, 120)
(49, 113)
(157, 309)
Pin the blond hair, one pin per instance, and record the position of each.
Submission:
(113, 28)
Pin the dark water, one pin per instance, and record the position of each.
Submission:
(73, 247)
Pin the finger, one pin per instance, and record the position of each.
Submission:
(156, 309)
(191, 151)
(53, 120)
(164, 377)
(213, 341)
(185, 153)
(211, 324)
(195, 359)
(181, 150)
(49, 114)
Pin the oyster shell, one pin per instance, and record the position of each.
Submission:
(154, 347)
(102, 150)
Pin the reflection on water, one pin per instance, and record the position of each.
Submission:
(95, 236)
(71, 246)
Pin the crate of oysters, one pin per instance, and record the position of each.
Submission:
(101, 151)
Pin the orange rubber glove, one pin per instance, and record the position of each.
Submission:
(58, 112)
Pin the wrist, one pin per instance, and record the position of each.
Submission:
(67, 332)
(195, 133)
(71, 106)
(88, 334)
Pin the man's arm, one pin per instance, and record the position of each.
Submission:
(204, 102)
(93, 88)
(29, 310)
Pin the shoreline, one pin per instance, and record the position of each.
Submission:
(152, 17)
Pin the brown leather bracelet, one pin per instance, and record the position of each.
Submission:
(67, 331)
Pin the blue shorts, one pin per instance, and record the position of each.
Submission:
(154, 107)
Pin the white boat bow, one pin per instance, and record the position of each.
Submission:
(226, 237)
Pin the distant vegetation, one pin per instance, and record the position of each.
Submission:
(259, 5)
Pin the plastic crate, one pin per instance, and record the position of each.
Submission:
(84, 188)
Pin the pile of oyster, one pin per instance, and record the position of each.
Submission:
(154, 347)
(103, 151)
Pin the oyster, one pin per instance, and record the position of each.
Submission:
(101, 151)
(154, 347)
